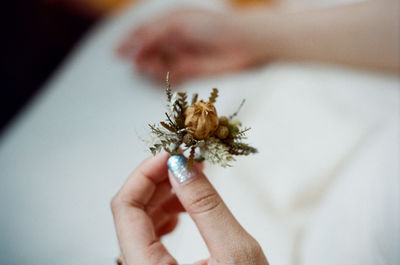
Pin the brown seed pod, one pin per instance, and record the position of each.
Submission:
(222, 132)
(223, 120)
(202, 119)
(188, 139)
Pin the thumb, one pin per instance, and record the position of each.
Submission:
(221, 232)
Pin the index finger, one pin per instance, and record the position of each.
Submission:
(136, 234)
(142, 182)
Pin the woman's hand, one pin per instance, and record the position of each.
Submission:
(145, 209)
(200, 42)
(191, 43)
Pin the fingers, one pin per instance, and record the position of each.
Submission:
(137, 236)
(145, 209)
(191, 65)
(142, 183)
(168, 226)
(147, 39)
(156, 46)
(219, 229)
(166, 211)
(161, 194)
(188, 44)
(146, 33)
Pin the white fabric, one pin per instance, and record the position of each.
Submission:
(323, 135)
(359, 222)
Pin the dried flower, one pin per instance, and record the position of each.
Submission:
(202, 119)
(216, 139)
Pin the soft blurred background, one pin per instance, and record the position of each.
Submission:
(84, 78)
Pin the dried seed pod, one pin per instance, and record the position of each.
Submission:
(202, 119)
(222, 132)
(223, 120)
(188, 139)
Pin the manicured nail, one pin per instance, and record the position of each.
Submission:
(177, 166)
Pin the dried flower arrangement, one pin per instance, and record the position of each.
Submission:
(198, 127)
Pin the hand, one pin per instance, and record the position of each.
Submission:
(145, 209)
(193, 43)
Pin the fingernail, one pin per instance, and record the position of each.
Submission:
(177, 166)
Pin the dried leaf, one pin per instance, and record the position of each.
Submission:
(189, 164)
(182, 100)
(241, 134)
(168, 127)
(168, 88)
(213, 96)
(241, 149)
(171, 122)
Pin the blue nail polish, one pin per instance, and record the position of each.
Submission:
(177, 166)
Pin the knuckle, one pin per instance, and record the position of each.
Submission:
(251, 250)
(154, 250)
(254, 249)
(115, 204)
(204, 202)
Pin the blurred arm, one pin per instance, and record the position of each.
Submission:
(365, 34)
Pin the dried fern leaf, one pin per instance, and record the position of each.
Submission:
(190, 161)
(156, 131)
(241, 149)
(171, 122)
(156, 148)
(182, 99)
(168, 88)
(179, 116)
(172, 102)
(168, 127)
(213, 96)
(240, 134)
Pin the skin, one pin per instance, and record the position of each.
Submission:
(191, 43)
(145, 209)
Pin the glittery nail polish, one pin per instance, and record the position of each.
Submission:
(177, 166)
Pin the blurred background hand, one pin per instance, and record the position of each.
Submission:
(191, 43)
